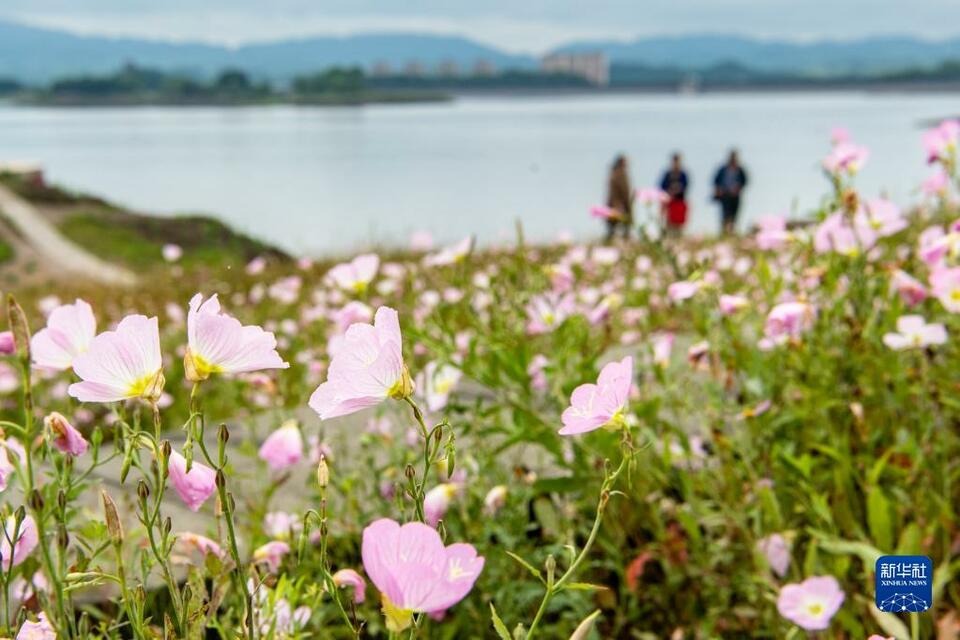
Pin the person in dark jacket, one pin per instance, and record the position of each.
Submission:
(619, 199)
(674, 183)
(728, 186)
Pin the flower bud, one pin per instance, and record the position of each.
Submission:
(112, 518)
(221, 479)
(142, 490)
(223, 434)
(19, 328)
(36, 500)
(323, 473)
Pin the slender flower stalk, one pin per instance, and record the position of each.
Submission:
(554, 586)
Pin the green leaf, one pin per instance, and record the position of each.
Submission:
(529, 567)
(866, 552)
(498, 625)
(878, 518)
(890, 623)
(583, 586)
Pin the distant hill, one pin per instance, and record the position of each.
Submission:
(36, 55)
(39, 55)
(827, 57)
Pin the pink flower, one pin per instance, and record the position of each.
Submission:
(65, 437)
(788, 320)
(7, 344)
(283, 447)
(450, 255)
(194, 487)
(536, 371)
(878, 218)
(366, 370)
(945, 286)
(203, 544)
(436, 382)
(6, 467)
(879, 637)
(651, 196)
(421, 241)
(548, 311)
(121, 364)
(271, 554)
(911, 290)
(602, 404)
(777, 552)
(834, 234)
(913, 332)
(839, 135)
(218, 343)
(350, 578)
(26, 541)
(172, 252)
(936, 184)
(682, 290)
(413, 570)
(940, 142)
(495, 499)
(812, 603)
(772, 233)
(604, 212)
(352, 313)
(70, 329)
(437, 501)
(730, 304)
(846, 157)
(39, 630)
(662, 345)
(357, 274)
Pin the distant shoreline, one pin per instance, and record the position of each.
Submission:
(415, 97)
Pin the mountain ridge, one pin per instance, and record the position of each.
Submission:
(35, 54)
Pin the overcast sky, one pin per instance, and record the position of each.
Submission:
(515, 25)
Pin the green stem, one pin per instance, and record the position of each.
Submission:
(555, 587)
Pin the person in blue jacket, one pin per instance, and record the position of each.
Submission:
(728, 185)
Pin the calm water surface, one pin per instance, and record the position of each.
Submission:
(335, 179)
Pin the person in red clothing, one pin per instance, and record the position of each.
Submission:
(674, 183)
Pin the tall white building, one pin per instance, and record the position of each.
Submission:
(593, 66)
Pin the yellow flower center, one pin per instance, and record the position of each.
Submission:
(149, 387)
(397, 619)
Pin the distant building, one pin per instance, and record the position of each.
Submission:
(414, 68)
(484, 67)
(448, 69)
(593, 66)
(381, 68)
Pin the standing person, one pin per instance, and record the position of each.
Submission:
(674, 183)
(728, 185)
(619, 199)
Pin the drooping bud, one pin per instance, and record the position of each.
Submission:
(112, 518)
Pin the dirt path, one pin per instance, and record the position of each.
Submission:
(56, 252)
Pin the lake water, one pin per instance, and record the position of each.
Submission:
(335, 179)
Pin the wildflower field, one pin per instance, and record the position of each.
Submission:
(659, 439)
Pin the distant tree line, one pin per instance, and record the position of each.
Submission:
(133, 84)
